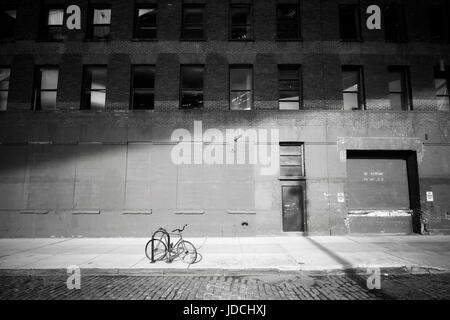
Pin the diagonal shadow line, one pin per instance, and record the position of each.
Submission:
(349, 270)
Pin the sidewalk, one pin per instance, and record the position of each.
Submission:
(259, 253)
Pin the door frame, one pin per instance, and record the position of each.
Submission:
(293, 183)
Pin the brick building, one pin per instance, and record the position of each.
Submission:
(88, 114)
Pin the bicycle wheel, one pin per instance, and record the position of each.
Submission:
(186, 252)
(159, 250)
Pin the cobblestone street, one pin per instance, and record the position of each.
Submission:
(271, 286)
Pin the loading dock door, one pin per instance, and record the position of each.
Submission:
(293, 210)
(377, 183)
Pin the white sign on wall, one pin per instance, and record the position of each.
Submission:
(340, 197)
(430, 197)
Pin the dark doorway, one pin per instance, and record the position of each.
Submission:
(293, 208)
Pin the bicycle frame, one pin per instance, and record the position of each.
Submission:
(166, 235)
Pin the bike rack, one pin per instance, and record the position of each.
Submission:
(164, 231)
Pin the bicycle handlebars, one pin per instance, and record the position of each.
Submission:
(179, 230)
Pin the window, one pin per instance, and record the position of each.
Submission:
(143, 87)
(349, 20)
(241, 22)
(288, 26)
(45, 88)
(193, 22)
(5, 74)
(395, 23)
(52, 24)
(289, 87)
(7, 24)
(353, 88)
(437, 23)
(241, 87)
(94, 87)
(145, 22)
(441, 80)
(291, 160)
(399, 89)
(191, 87)
(100, 27)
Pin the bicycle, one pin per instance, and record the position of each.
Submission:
(159, 246)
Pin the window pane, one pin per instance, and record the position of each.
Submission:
(241, 100)
(295, 160)
(143, 100)
(192, 77)
(192, 99)
(49, 79)
(97, 78)
(351, 101)
(348, 18)
(241, 33)
(289, 105)
(3, 100)
(48, 100)
(290, 150)
(288, 171)
(287, 25)
(436, 22)
(193, 16)
(443, 103)
(289, 96)
(394, 23)
(289, 85)
(241, 79)
(396, 101)
(97, 100)
(441, 86)
(7, 23)
(102, 16)
(147, 17)
(288, 74)
(241, 15)
(350, 80)
(55, 17)
(143, 77)
(4, 78)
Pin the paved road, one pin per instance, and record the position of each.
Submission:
(271, 286)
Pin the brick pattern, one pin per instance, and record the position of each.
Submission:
(238, 287)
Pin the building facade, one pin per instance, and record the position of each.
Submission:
(237, 117)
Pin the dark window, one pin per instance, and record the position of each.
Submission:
(291, 160)
(7, 24)
(145, 22)
(241, 22)
(288, 25)
(241, 87)
(441, 81)
(193, 22)
(143, 87)
(395, 23)
(437, 30)
(289, 87)
(191, 87)
(94, 87)
(399, 88)
(5, 74)
(353, 88)
(45, 88)
(100, 23)
(349, 21)
(52, 24)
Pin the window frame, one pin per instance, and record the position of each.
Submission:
(299, 29)
(11, 37)
(37, 86)
(357, 8)
(183, 25)
(182, 89)
(438, 74)
(298, 68)
(301, 146)
(230, 91)
(137, 7)
(403, 37)
(361, 86)
(406, 90)
(44, 28)
(9, 81)
(146, 90)
(91, 25)
(84, 90)
(230, 21)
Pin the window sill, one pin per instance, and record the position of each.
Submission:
(192, 40)
(238, 40)
(351, 40)
(289, 40)
(286, 178)
(97, 40)
(144, 39)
